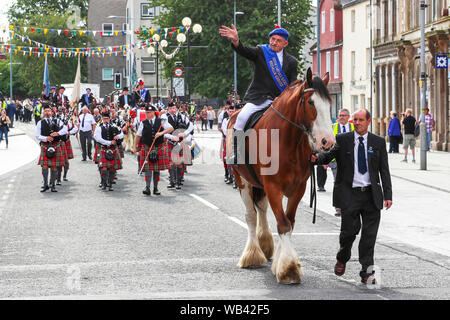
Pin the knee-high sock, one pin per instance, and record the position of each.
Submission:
(66, 168)
(179, 174)
(148, 178)
(52, 177)
(172, 175)
(155, 179)
(58, 174)
(45, 175)
(104, 175)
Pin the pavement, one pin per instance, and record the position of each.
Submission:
(84, 243)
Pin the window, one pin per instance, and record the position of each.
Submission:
(353, 70)
(147, 11)
(107, 74)
(328, 62)
(353, 20)
(323, 22)
(363, 101)
(124, 27)
(108, 29)
(148, 65)
(354, 103)
(332, 20)
(336, 64)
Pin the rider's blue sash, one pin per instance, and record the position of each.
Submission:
(275, 69)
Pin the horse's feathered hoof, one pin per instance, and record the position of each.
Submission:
(252, 257)
(291, 274)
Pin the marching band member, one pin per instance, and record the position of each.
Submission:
(151, 133)
(119, 122)
(229, 177)
(183, 129)
(107, 135)
(72, 130)
(48, 131)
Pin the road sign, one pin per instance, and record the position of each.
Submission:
(178, 72)
(178, 85)
(441, 61)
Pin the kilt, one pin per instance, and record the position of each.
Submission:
(163, 159)
(97, 152)
(110, 165)
(69, 150)
(53, 163)
(64, 153)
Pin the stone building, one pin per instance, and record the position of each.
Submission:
(397, 63)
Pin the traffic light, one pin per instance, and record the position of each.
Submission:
(117, 80)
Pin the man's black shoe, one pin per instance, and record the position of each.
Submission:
(104, 187)
(146, 191)
(84, 159)
(171, 186)
(44, 188)
(58, 183)
(321, 190)
(53, 189)
(178, 187)
(90, 157)
(156, 192)
(65, 179)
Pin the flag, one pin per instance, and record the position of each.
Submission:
(76, 84)
(46, 81)
(133, 72)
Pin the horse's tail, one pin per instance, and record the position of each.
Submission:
(257, 195)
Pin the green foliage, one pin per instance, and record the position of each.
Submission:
(212, 72)
(23, 9)
(28, 76)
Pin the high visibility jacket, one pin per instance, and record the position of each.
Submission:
(37, 110)
(336, 128)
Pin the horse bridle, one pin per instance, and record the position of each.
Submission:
(305, 128)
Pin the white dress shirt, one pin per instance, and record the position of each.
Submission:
(360, 180)
(347, 127)
(37, 132)
(89, 121)
(186, 121)
(98, 135)
(224, 126)
(280, 57)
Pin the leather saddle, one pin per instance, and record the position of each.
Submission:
(254, 118)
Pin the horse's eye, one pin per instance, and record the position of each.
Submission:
(311, 102)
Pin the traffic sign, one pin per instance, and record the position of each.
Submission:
(178, 72)
(178, 85)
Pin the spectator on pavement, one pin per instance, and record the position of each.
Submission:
(409, 140)
(204, 118)
(430, 124)
(211, 117)
(4, 122)
(394, 133)
(11, 112)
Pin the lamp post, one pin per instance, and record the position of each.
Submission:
(196, 28)
(234, 52)
(10, 68)
(423, 86)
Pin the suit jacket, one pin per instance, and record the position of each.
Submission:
(378, 168)
(263, 86)
(130, 100)
(83, 99)
(137, 96)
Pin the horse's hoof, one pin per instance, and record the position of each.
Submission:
(252, 257)
(291, 275)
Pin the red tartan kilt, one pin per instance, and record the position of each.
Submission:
(140, 146)
(177, 159)
(97, 153)
(53, 163)
(69, 150)
(114, 164)
(224, 149)
(163, 159)
(64, 153)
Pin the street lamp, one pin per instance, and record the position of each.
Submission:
(234, 52)
(196, 28)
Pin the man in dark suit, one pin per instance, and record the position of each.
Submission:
(274, 69)
(87, 98)
(142, 94)
(126, 98)
(361, 161)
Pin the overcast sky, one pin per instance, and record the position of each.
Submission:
(4, 6)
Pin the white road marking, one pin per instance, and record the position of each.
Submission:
(239, 222)
(7, 191)
(5, 197)
(207, 203)
(10, 185)
(311, 234)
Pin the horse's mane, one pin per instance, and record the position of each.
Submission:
(321, 89)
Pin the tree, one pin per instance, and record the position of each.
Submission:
(212, 68)
(62, 70)
(23, 9)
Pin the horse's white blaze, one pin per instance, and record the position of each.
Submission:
(285, 257)
(252, 255)
(322, 128)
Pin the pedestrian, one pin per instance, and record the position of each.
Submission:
(394, 133)
(430, 124)
(362, 163)
(4, 123)
(86, 127)
(11, 111)
(267, 83)
(409, 140)
(204, 117)
(211, 117)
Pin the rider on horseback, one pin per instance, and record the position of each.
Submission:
(274, 69)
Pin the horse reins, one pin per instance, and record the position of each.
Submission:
(307, 130)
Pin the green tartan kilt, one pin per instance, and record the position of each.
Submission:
(57, 161)
(160, 165)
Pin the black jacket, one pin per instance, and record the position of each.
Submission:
(378, 167)
(122, 100)
(263, 86)
(83, 100)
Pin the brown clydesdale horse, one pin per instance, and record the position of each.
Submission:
(298, 122)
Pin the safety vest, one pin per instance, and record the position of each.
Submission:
(37, 111)
(336, 128)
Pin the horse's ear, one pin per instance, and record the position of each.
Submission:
(326, 78)
(309, 77)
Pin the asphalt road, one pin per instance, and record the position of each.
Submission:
(85, 243)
